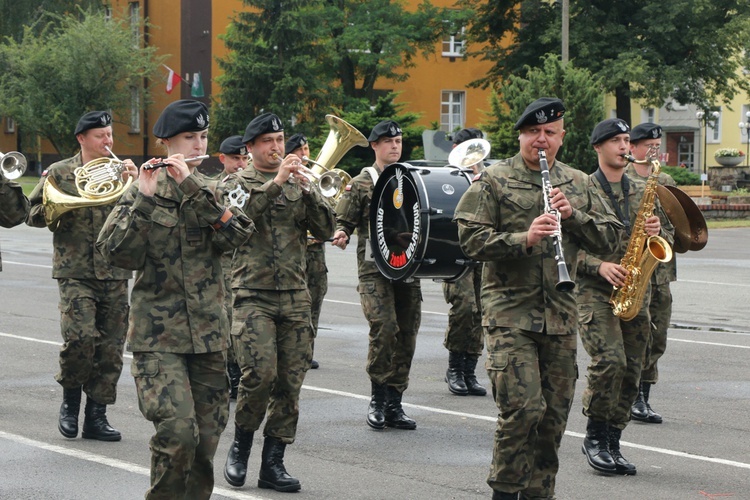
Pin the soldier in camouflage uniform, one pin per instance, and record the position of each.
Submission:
(642, 138)
(171, 230)
(14, 205)
(616, 347)
(464, 337)
(393, 309)
(315, 258)
(271, 327)
(530, 327)
(93, 293)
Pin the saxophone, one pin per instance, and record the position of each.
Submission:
(643, 254)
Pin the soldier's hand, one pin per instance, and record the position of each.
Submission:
(177, 168)
(652, 225)
(148, 178)
(615, 274)
(129, 170)
(340, 239)
(541, 227)
(288, 167)
(560, 203)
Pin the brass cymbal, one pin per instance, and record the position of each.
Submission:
(698, 227)
(677, 216)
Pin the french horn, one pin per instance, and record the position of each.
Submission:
(12, 165)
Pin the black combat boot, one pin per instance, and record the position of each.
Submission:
(622, 465)
(394, 413)
(235, 469)
(235, 374)
(273, 474)
(95, 425)
(639, 411)
(314, 365)
(376, 410)
(501, 495)
(71, 406)
(470, 364)
(455, 374)
(653, 417)
(596, 447)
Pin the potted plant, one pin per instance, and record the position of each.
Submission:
(729, 157)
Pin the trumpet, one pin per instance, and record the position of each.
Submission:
(12, 165)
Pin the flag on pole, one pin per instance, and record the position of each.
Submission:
(173, 79)
(197, 89)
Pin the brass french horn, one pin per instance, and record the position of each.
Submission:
(12, 165)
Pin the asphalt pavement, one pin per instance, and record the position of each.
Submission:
(702, 450)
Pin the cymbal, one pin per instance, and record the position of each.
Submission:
(677, 216)
(698, 227)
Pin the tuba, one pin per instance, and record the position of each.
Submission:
(12, 165)
(643, 254)
(99, 182)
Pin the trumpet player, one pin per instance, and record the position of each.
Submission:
(93, 293)
(616, 347)
(271, 330)
(233, 155)
(14, 205)
(530, 326)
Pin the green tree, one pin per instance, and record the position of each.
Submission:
(689, 50)
(15, 15)
(77, 63)
(582, 94)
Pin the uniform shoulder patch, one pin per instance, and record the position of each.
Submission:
(44, 174)
(348, 187)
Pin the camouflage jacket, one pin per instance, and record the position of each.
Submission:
(74, 239)
(518, 283)
(174, 242)
(666, 272)
(14, 206)
(592, 288)
(274, 258)
(353, 213)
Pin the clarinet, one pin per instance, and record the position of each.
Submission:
(564, 283)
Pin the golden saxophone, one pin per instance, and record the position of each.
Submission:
(643, 254)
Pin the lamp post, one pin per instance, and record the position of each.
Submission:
(746, 126)
(703, 119)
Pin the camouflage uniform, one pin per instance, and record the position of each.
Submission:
(317, 280)
(530, 328)
(464, 333)
(14, 206)
(93, 293)
(178, 324)
(271, 331)
(393, 310)
(616, 347)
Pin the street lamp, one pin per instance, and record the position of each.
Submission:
(703, 119)
(746, 126)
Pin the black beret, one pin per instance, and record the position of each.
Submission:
(645, 131)
(185, 115)
(263, 124)
(233, 145)
(543, 110)
(387, 128)
(466, 134)
(93, 119)
(609, 128)
(294, 142)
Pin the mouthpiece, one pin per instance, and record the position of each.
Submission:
(630, 158)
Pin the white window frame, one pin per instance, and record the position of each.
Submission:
(10, 125)
(455, 45)
(714, 128)
(135, 110)
(450, 118)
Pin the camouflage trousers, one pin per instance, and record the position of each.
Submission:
(394, 312)
(533, 378)
(464, 332)
(660, 309)
(93, 323)
(616, 349)
(317, 281)
(273, 341)
(186, 396)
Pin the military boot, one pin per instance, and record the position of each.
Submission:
(653, 417)
(501, 495)
(95, 424)
(473, 386)
(273, 474)
(235, 374)
(235, 469)
(622, 465)
(394, 413)
(455, 374)
(67, 424)
(639, 411)
(596, 447)
(376, 410)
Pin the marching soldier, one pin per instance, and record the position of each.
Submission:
(271, 329)
(233, 155)
(530, 327)
(14, 205)
(393, 310)
(93, 293)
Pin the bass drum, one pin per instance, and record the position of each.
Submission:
(412, 233)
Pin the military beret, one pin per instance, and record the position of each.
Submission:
(466, 134)
(93, 119)
(233, 145)
(386, 128)
(294, 142)
(645, 131)
(609, 128)
(543, 110)
(266, 123)
(185, 115)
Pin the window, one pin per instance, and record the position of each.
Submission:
(10, 125)
(135, 110)
(648, 115)
(452, 109)
(135, 22)
(686, 152)
(453, 46)
(714, 128)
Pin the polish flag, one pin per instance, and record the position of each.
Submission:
(172, 80)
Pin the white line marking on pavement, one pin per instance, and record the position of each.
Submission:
(27, 264)
(360, 305)
(712, 283)
(709, 343)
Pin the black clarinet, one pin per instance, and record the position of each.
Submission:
(564, 283)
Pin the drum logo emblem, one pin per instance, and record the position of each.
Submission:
(398, 194)
(448, 189)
